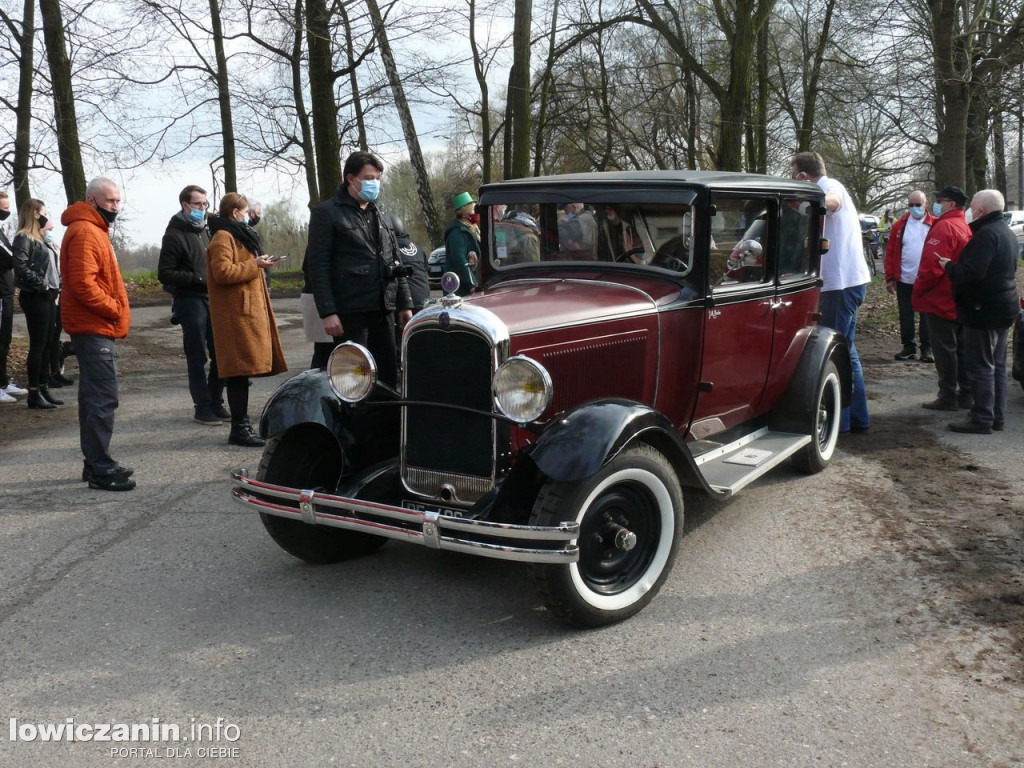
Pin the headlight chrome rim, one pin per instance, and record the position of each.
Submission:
(527, 412)
(346, 360)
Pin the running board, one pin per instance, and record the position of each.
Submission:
(734, 466)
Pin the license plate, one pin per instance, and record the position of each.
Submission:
(446, 511)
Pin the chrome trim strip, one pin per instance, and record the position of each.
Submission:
(436, 531)
(730, 447)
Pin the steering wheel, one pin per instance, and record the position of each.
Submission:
(630, 256)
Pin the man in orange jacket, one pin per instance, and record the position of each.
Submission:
(94, 311)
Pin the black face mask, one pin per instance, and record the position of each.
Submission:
(42, 222)
(4, 215)
(108, 216)
(254, 220)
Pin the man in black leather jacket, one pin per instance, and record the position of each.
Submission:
(985, 292)
(182, 270)
(351, 261)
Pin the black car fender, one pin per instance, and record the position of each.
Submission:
(823, 344)
(365, 434)
(578, 443)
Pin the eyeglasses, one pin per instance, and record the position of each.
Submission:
(200, 206)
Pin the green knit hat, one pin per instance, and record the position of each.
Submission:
(462, 199)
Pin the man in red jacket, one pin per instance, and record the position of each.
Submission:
(902, 259)
(94, 311)
(933, 297)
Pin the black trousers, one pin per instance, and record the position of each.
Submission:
(376, 332)
(238, 398)
(206, 388)
(904, 292)
(97, 399)
(53, 352)
(6, 326)
(38, 309)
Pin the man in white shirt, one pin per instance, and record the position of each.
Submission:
(844, 275)
(902, 259)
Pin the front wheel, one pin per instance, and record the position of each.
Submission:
(822, 420)
(304, 460)
(630, 515)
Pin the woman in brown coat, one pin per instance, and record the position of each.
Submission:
(244, 329)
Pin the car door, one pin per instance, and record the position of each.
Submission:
(740, 314)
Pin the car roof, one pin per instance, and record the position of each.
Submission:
(712, 180)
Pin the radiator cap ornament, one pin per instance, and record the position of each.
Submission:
(450, 282)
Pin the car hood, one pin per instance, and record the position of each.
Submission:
(532, 304)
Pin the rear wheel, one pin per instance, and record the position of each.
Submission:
(301, 460)
(631, 518)
(822, 419)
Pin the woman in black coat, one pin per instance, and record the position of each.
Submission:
(36, 275)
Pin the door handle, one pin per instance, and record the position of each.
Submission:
(779, 303)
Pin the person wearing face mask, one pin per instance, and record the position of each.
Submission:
(95, 312)
(987, 303)
(54, 350)
(902, 257)
(350, 261)
(9, 391)
(244, 327)
(933, 297)
(462, 243)
(38, 283)
(182, 271)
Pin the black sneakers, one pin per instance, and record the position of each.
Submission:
(221, 412)
(907, 353)
(112, 482)
(970, 427)
(926, 355)
(87, 473)
(938, 404)
(207, 416)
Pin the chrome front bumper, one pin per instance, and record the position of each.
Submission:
(431, 529)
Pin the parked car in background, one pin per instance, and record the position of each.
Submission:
(658, 333)
(435, 266)
(1016, 221)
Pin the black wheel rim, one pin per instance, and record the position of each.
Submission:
(607, 568)
(826, 412)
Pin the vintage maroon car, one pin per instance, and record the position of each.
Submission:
(635, 334)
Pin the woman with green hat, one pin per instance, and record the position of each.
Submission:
(462, 242)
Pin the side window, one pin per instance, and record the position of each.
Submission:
(796, 238)
(741, 247)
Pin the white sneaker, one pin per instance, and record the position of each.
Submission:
(14, 389)
(5, 398)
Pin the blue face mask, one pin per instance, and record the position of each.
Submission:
(369, 189)
(196, 217)
(917, 211)
(48, 237)
(936, 209)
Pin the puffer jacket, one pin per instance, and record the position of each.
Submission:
(350, 258)
(31, 261)
(983, 279)
(94, 301)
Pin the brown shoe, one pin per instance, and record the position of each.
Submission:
(938, 404)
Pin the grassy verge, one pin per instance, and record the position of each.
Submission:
(144, 289)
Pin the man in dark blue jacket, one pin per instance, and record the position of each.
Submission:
(986, 305)
(351, 261)
(182, 270)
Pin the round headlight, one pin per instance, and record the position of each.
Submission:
(351, 371)
(522, 389)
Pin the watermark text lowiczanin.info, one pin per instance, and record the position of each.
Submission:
(156, 731)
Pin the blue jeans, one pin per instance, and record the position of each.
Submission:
(193, 314)
(839, 311)
(985, 359)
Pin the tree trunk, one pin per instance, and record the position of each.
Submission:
(487, 141)
(953, 97)
(23, 119)
(69, 149)
(419, 168)
(975, 154)
(308, 151)
(805, 131)
(224, 100)
(999, 151)
(321, 98)
(353, 80)
(517, 130)
(733, 113)
(545, 88)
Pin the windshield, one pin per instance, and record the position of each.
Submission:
(652, 234)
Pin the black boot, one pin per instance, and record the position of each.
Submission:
(242, 434)
(36, 400)
(45, 392)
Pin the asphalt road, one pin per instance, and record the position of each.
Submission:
(801, 626)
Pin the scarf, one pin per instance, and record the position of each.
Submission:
(242, 232)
